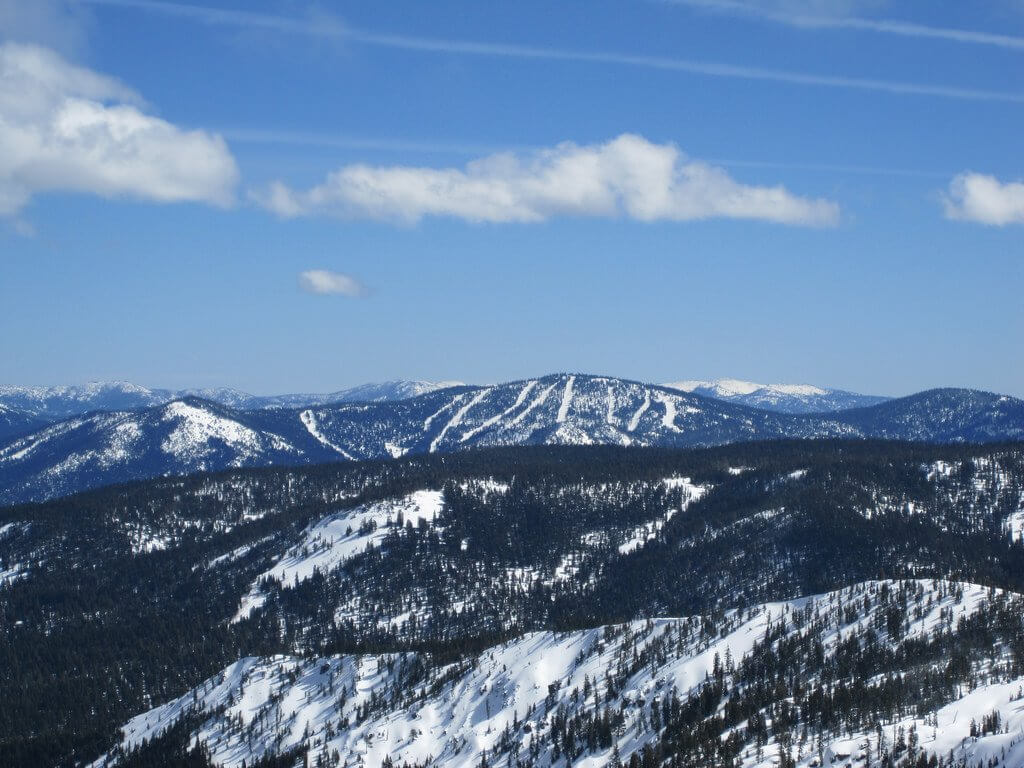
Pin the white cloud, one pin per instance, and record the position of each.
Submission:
(66, 128)
(985, 200)
(627, 176)
(323, 281)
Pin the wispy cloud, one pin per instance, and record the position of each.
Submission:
(57, 24)
(325, 282)
(626, 177)
(67, 128)
(790, 15)
(985, 199)
(322, 28)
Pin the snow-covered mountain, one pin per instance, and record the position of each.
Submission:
(561, 409)
(49, 404)
(785, 398)
(176, 438)
(599, 697)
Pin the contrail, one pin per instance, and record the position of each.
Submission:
(883, 26)
(414, 146)
(344, 141)
(326, 29)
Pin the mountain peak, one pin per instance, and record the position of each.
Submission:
(786, 398)
(733, 387)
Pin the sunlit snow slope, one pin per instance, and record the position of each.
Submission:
(538, 697)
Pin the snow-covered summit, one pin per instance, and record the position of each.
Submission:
(785, 398)
(734, 387)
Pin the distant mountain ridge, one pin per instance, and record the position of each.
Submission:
(785, 398)
(194, 435)
(38, 405)
(45, 404)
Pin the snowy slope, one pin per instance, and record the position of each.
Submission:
(516, 698)
(785, 398)
(15, 422)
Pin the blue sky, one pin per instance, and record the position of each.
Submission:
(280, 196)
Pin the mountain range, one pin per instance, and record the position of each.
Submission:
(193, 434)
(49, 404)
(23, 409)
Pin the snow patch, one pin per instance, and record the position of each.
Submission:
(644, 533)
(308, 419)
(563, 409)
(329, 543)
(668, 420)
(635, 421)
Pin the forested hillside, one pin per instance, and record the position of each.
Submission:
(124, 598)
